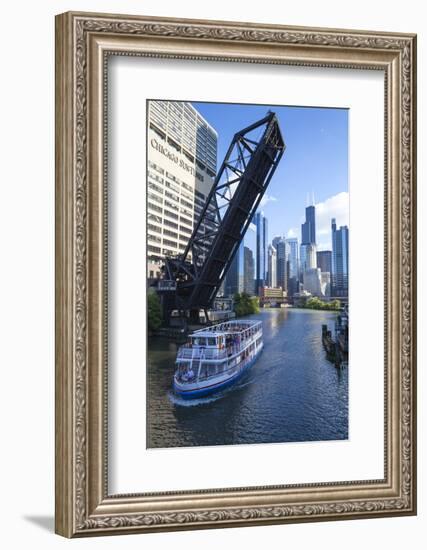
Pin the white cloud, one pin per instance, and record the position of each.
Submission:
(336, 207)
(292, 232)
(266, 199)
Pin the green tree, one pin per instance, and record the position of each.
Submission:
(335, 304)
(316, 303)
(244, 304)
(154, 311)
(254, 304)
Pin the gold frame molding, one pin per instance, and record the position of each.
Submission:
(83, 43)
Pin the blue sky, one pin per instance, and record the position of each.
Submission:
(315, 161)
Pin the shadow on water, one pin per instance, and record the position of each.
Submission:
(292, 393)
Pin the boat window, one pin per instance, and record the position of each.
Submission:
(198, 341)
(211, 341)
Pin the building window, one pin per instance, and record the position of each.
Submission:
(185, 230)
(186, 203)
(170, 224)
(154, 228)
(171, 214)
(156, 167)
(167, 242)
(170, 233)
(155, 198)
(154, 207)
(172, 196)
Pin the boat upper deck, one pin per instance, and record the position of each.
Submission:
(229, 327)
(220, 341)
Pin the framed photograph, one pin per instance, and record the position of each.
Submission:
(235, 274)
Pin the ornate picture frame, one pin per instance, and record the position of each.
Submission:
(84, 42)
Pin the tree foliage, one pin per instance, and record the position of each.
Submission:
(244, 304)
(154, 311)
(317, 303)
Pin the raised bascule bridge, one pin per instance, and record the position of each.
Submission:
(190, 281)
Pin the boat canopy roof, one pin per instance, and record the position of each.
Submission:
(226, 327)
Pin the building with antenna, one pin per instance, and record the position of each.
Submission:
(308, 247)
(308, 228)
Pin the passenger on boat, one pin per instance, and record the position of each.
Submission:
(188, 375)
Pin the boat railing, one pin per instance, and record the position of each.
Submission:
(206, 376)
(187, 352)
(201, 353)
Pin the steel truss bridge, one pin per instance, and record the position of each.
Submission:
(191, 281)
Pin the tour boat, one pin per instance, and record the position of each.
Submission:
(216, 356)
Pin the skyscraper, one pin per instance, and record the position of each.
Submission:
(339, 260)
(308, 228)
(272, 266)
(324, 261)
(282, 264)
(181, 167)
(313, 281)
(249, 271)
(240, 276)
(308, 257)
(293, 272)
(261, 250)
(276, 240)
(235, 278)
(325, 279)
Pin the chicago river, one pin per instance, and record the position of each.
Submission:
(292, 393)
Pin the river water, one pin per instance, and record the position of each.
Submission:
(291, 393)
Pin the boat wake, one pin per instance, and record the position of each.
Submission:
(176, 400)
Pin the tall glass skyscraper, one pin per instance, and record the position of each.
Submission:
(308, 257)
(324, 261)
(293, 266)
(308, 241)
(282, 264)
(339, 260)
(235, 278)
(261, 250)
(308, 228)
(240, 276)
(249, 271)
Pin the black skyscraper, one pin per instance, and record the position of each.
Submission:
(308, 228)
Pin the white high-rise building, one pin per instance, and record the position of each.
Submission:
(181, 168)
(272, 267)
(325, 278)
(308, 257)
(313, 281)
